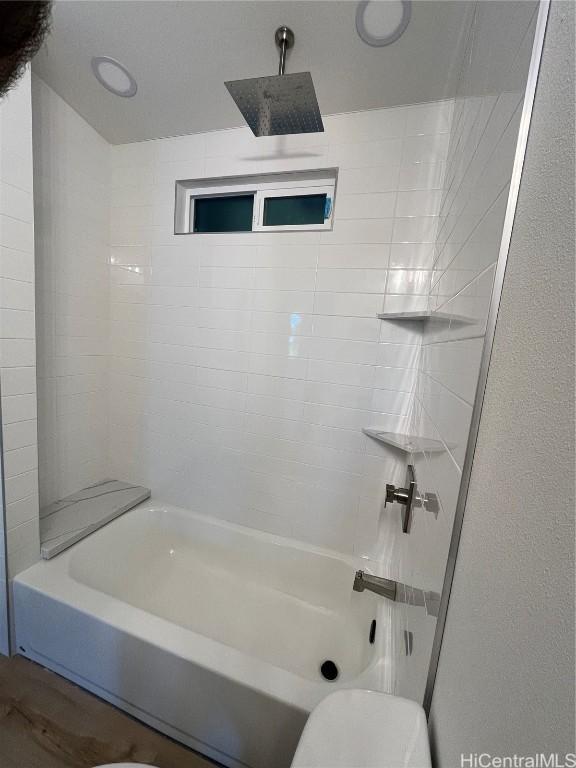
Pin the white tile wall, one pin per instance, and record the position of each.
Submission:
(244, 366)
(72, 189)
(17, 343)
(472, 208)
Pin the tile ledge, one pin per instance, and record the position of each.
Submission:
(67, 521)
(407, 443)
(424, 315)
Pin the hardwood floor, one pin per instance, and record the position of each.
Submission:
(48, 722)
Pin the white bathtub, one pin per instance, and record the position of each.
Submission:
(210, 632)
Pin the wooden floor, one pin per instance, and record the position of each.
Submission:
(48, 722)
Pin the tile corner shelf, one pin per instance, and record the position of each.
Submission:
(408, 443)
(71, 519)
(424, 315)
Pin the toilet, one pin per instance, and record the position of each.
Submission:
(365, 729)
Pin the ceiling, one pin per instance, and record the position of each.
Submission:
(182, 52)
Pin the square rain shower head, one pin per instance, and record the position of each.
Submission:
(279, 104)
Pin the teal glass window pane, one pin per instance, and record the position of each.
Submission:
(229, 213)
(294, 211)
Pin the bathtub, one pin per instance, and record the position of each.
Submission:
(210, 632)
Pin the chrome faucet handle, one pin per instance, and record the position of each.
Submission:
(404, 496)
(398, 495)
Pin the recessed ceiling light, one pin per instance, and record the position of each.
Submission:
(381, 22)
(114, 76)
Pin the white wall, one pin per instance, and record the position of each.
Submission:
(479, 164)
(71, 198)
(244, 366)
(505, 682)
(175, 362)
(17, 345)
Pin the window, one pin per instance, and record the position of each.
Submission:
(226, 213)
(275, 202)
(292, 210)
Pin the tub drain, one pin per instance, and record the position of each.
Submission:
(329, 670)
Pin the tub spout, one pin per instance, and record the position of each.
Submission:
(376, 584)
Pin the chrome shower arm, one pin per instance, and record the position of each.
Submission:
(282, 64)
(284, 40)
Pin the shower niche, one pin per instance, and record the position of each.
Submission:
(280, 202)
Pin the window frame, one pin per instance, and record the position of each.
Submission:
(192, 212)
(263, 195)
(290, 184)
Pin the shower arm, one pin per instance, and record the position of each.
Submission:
(284, 40)
(282, 57)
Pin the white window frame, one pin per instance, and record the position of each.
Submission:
(262, 187)
(211, 193)
(263, 195)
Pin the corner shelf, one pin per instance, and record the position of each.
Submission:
(407, 443)
(425, 314)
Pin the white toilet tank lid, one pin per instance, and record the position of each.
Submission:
(364, 729)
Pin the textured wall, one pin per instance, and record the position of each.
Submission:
(505, 682)
(244, 366)
(71, 208)
(17, 339)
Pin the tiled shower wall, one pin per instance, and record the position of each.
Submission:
(478, 171)
(244, 366)
(71, 195)
(17, 345)
(233, 373)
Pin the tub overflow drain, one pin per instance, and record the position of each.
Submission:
(329, 670)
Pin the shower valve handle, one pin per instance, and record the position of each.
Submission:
(394, 494)
(404, 496)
